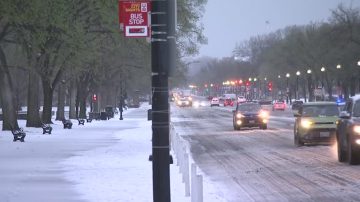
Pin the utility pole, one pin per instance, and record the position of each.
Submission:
(161, 63)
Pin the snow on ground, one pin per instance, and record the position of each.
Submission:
(103, 161)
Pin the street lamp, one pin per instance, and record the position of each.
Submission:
(358, 64)
(287, 87)
(322, 77)
(297, 85)
(309, 84)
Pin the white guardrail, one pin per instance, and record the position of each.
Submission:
(193, 181)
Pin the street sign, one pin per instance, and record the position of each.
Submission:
(134, 18)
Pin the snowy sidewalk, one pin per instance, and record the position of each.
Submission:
(102, 161)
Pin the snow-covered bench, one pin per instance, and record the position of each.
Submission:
(67, 123)
(81, 121)
(19, 134)
(46, 128)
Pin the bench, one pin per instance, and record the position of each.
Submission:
(67, 124)
(19, 134)
(88, 120)
(46, 128)
(81, 121)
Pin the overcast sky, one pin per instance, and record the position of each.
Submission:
(228, 22)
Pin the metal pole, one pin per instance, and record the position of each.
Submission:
(160, 105)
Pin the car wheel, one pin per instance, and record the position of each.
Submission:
(341, 152)
(297, 139)
(353, 153)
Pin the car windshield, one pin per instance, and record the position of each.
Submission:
(356, 112)
(320, 110)
(248, 107)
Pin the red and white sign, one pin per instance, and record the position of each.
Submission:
(134, 18)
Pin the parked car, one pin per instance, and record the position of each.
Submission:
(228, 102)
(250, 115)
(348, 132)
(279, 105)
(296, 104)
(315, 122)
(215, 102)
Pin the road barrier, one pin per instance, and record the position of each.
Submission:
(178, 145)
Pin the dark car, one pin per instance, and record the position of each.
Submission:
(296, 104)
(348, 132)
(250, 115)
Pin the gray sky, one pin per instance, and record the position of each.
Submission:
(228, 22)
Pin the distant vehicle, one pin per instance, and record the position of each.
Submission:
(228, 102)
(215, 102)
(241, 99)
(265, 102)
(250, 115)
(229, 95)
(279, 105)
(296, 104)
(184, 102)
(348, 132)
(315, 122)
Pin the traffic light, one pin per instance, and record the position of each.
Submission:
(270, 86)
(94, 98)
(247, 83)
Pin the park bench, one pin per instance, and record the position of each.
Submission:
(46, 128)
(67, 124)
(19, 134)
(81, 121)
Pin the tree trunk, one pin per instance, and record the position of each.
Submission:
(7, 100)
(6, 96)
(82, 95)
(47, 108)
(60, 113)
(33, 112)
(72, 103)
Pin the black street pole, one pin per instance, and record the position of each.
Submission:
(160, 66)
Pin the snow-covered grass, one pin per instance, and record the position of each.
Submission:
(103, 161)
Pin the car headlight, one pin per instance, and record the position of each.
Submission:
(264, 114)
(186, 102)
(196, 104)
(179, 102)
(238, 122)
(239, 116)
(306, 123)
(189, 98)
(357, 129)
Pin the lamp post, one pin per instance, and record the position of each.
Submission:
(358, 64)
(338, 67)
(297, 85)
(287, 87)
(322, 76)
(309, 80)
(255, 89)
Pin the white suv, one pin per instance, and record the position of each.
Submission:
(215, 102)
(241, 99)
